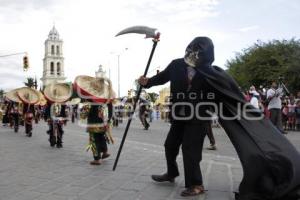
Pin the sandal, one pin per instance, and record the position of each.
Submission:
(193, 191)
(105, 155)
(95, 162)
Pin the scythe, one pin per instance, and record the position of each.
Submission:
(150, 33)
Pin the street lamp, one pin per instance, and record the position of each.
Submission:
(118, 55)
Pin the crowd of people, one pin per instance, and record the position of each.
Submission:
(283, 109)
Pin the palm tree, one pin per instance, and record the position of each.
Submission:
(30, 82)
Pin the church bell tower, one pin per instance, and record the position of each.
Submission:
(53, 71)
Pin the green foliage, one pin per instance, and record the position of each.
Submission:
(153, 96)
(263, 63)
(30, 82)
(1, 94)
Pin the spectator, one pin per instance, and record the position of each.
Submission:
(297, 111)
(291, 113)
(274, 97)
(297, 96)
(247, 96)
(285, 111)
(254, 98)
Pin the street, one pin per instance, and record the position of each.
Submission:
(30, 169)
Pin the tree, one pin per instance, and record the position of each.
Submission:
(153, 96)
(1, 94)
(265, 62)
(30, 82)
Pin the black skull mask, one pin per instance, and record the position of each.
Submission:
(199, 52)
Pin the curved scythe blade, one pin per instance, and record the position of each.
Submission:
(149, 32)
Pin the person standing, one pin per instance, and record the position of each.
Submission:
(297, 111)
(98, 93)
(254, 99)
(211, 138)
(97, 128)
(56, 123)
(5, 118)
(291, 114)
(187, 130)
(143, 112)
(274, 98)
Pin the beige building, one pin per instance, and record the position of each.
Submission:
(164, 94)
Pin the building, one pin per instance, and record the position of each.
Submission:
(164, 95)
(53, 62)
(100, 73)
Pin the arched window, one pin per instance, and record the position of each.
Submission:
(52, 49)
(51, 68)
(58, 68)
(57, 50)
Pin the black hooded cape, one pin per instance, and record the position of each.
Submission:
(271, 164)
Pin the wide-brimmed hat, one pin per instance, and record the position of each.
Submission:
(74, 101)
(95, 89)
(58, 92)
(28, 95)
(13, 96)
(43, 100)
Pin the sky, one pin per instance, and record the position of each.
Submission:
(88, 29)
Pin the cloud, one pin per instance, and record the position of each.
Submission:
(175, 10)
(248, 28)
(15, 11)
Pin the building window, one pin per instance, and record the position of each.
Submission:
(58, 68)
(57, 50)
(52, 49)
(51, 68)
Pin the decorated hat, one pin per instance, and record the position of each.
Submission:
(13, 96)
(94, 88)
(28, 95)
(43, 100)
(58, 92)
(74, 101)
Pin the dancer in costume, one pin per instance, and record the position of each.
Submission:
(98, 111)
(55, 113)
(29, 97)
(271, 164)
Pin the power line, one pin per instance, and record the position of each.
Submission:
(13, 54)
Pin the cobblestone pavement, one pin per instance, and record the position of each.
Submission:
(30, 169)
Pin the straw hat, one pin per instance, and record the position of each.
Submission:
(12, 96)
(42, 101)
(96, 89)
(74, 101)
(28, 95)
(58, 92)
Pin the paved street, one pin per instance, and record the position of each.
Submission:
(30, 169)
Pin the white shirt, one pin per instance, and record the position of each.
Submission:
(254, 102)
(275, 101)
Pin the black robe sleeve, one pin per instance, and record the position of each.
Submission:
(271, 164)
(161, 78)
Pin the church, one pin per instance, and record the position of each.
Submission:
(53, 62)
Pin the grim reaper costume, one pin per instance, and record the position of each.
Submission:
(271, 164)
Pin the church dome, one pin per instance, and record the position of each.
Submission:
(53, 34)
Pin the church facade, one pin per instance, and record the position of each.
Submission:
(53, 62)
